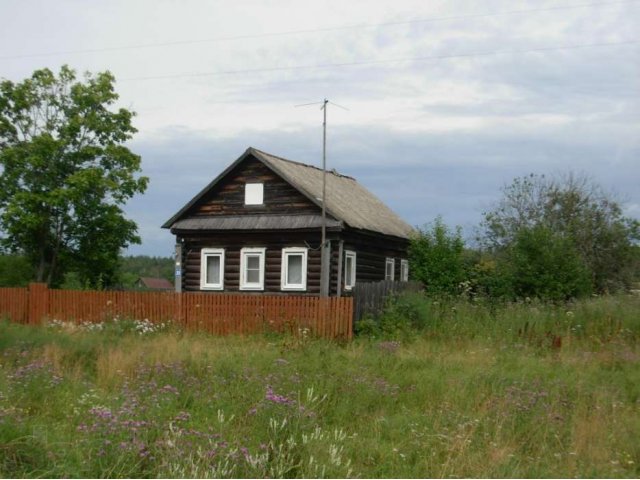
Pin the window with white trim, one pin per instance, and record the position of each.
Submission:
(252, 268)
(349, 269)
(212, 269)
(253, 193)
(404, 270)
(294, 268)
(389, 268)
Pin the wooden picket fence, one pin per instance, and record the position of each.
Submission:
(220, 314)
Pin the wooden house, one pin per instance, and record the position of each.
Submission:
(257, 228)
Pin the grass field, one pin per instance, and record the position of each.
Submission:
(522, 390)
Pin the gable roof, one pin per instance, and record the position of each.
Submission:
(347, 200)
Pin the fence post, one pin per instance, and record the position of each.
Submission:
(38, 302)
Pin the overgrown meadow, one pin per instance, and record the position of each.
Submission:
(434, 389)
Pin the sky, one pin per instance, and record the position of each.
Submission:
(446, 101)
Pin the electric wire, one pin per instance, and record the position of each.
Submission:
(378, 62)
(315, 30)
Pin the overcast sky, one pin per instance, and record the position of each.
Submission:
(447, 100)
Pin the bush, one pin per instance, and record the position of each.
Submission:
(547, 266)
(436, 256)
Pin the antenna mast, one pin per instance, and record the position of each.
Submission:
(324, 250)
(324, 259)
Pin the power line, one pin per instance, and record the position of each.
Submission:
(316, 30)
(379, 62)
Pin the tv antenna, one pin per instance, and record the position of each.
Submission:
(324, 258)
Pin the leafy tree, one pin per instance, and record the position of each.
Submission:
(66, 173)
(436, 256)
(547, 266)
(572, 207)
(15, 271)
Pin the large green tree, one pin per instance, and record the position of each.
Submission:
(66, 173)
(576, 209)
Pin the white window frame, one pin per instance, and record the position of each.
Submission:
(390, 261)
(350, 254)
(204, 254)
(252, 194)
(285, 266)
(404, 270)
(244, 285)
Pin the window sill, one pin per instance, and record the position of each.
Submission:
(218, 288)
(249, 288)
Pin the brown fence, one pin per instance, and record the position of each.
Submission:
(215, 313)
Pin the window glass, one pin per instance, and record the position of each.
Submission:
(252, 268)
(349, 269)
(213, 269)
(294, 269)
(389, 269)
(404, 270)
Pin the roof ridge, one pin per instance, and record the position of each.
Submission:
(332, 171)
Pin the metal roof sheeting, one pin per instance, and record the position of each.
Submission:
(253, 222)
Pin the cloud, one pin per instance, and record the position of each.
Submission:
(431, 136)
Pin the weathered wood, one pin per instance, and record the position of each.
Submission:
(371, 297)
(228, 196)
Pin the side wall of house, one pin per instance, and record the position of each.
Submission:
(372, 250)
(273, 242)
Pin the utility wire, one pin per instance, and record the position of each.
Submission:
(316, 30)
(379, 62)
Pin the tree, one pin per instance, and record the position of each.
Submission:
(547, 266)
(15, 271)
(66, 173)
(572, 207)
(436, 256)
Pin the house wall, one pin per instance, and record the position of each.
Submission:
(372, 250)
(227, 197)
(274, 242)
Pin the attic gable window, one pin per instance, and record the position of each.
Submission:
(212, 269)
(253, 194)
(294, 268)
(389, 268)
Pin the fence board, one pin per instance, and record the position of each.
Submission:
(14, 304)
(214, 313)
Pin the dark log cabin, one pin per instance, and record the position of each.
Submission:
(257, 228)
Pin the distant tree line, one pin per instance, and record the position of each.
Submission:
(17, 271)
(549, 238)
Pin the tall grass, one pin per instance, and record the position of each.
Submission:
(480, 391)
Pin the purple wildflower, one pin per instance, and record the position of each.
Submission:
(275, 398)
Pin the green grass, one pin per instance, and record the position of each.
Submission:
(470, 390)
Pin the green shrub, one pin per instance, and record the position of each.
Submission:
(547, 266)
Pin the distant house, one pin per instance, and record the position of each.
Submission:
(152, 283)
(257, 228)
